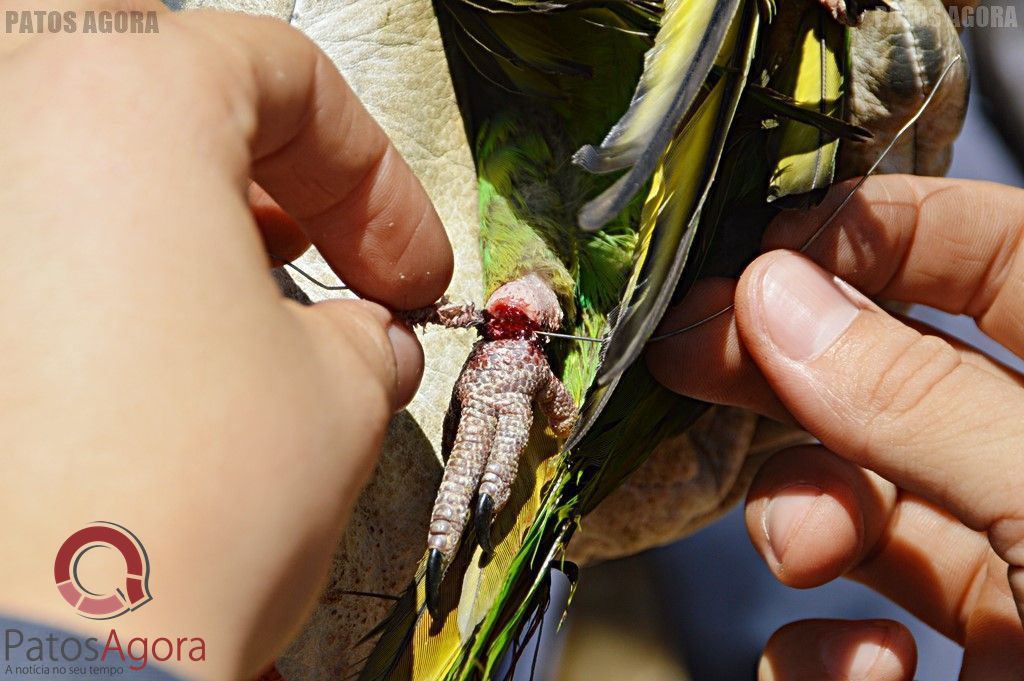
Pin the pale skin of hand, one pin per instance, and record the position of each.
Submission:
(918, 487)
(152, 374)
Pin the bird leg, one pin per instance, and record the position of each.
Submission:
(444, 313)
(507, 371)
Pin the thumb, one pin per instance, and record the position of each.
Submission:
(362, 342)
(888, 398)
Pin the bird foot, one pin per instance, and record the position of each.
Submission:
(505, 374)
(444, 313)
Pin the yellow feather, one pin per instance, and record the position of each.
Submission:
(435, 650)
(671, 212)
(813, 77)
(692, 37)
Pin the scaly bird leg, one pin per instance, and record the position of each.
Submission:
(451, 508)
(444, 313)
(558, 405)
(510, 439)
(505, 374)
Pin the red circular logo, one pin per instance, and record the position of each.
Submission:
(133, 591)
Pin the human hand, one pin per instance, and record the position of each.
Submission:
(152, 373)
(917, 489)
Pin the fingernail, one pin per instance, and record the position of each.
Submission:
(408, 362)
(785, 513)
(805, 312)
(853, 654)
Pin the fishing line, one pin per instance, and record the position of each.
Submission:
(566, 336)
(322, 285)
(832, 216)
(569, 336)
(807, 244)
(366, 594)
(874, 166)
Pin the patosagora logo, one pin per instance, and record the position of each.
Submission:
(113, 594)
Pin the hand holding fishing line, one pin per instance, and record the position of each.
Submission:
(157, 393)
(152, 373)
(935, 518)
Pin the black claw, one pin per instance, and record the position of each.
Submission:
(484, 518)
(435, 573)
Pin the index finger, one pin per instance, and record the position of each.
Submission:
(325, 161)
(953, 244)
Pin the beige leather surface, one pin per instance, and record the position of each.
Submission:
(689, 481)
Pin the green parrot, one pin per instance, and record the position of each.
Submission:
(621, 147)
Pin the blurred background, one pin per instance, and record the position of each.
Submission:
(704, 607)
